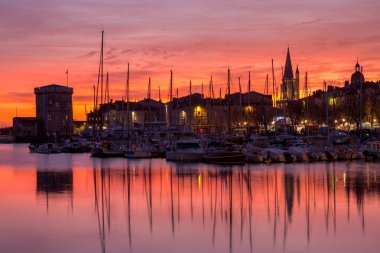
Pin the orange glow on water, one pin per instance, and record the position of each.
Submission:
(152, 204)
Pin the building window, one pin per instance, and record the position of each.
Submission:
(49, 117)
(56, 104)
(50, 102)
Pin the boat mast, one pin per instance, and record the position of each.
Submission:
(101, 77)
(170, 98)
(96, 94)
(149, 106)
(190, 93)
(274, 85)
(107, 99)
(240, 102)
(127, 90)
(228, 100)
(307, 100)
(95, 114)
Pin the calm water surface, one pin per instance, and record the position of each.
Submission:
(74, 203)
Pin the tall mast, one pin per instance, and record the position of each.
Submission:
(127, 89)
(107, 99)
(239, 91)
(228, 100)
(327, 107)
(274, 84)
(67, 78)
(159, 93)
(149, 105)
(249, 82)
(249, 88)
(307, 100)
(101, 78)
(101, 71)
(95, 114)
(240, 98)
(190, 91)
(100, 81)
(149, 85)
(266, 89)
(170, 98)
(211, 88)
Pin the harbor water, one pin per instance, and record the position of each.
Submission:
(75, 203)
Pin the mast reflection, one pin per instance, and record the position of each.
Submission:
(229, 205)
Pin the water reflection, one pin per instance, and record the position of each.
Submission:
(152, 205)
(52, 184)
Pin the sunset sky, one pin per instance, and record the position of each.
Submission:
(40, 39)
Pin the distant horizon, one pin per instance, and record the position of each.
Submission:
(41, 40)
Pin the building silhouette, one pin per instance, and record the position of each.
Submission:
(290, 82)
(55, 109)
(357, 77)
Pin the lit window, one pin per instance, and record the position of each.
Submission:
(49, 117)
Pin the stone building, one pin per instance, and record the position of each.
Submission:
(54, 108)
(114, 113)
(206, 115)
(26, 129)
(290, 89)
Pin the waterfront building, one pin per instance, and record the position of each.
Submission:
(209, 115)
(26, 129)
(55, 109)
(114, 114)
(192, 112)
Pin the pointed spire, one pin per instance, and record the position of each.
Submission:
(288, 72)
(357, 66)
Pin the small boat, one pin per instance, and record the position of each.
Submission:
(254, 154)
(277, 154)
(319, 152)
(48, 148)
(73, 147)
(371, 150)
(344, 153)
(106, 149)
(186, 151)
(33, 147)
(224, 153)
(140, 152)
(300, 153)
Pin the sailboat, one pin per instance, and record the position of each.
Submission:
(223, 153)
(138, 150)
(102, 147)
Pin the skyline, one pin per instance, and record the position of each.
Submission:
(196, 40)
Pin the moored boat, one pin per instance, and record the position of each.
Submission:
(185, 151)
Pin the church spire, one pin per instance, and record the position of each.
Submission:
(288, 72)
(357, 66)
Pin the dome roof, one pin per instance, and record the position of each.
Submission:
(357, 78)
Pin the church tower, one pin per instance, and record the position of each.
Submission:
(290, 85)
(357, 77)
